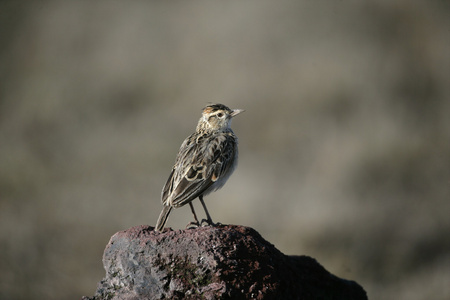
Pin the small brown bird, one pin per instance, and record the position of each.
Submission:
(204, 162)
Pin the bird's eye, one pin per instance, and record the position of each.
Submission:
(220, 115)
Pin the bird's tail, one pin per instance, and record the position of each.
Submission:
(163, 216)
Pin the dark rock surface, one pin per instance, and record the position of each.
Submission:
(223, 262)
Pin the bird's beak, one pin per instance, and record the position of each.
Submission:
(235, 112)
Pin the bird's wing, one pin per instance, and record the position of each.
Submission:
(200, 163)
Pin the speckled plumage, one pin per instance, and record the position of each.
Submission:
(204, 162)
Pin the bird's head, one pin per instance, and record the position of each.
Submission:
(217, 117)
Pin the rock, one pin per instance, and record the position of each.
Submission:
(220, 262)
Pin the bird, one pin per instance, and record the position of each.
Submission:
(204, 163)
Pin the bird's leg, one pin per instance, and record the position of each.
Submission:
(208, 220)
(193, 212)
(196, 223)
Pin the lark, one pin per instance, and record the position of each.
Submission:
(204, 163)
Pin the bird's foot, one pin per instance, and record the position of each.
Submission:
(209, 222)
(192, 225)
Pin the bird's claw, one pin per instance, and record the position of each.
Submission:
(192, 225)
(206, 222)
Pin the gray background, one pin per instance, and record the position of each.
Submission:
(344, 145)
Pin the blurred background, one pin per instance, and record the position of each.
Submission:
(344, 145)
